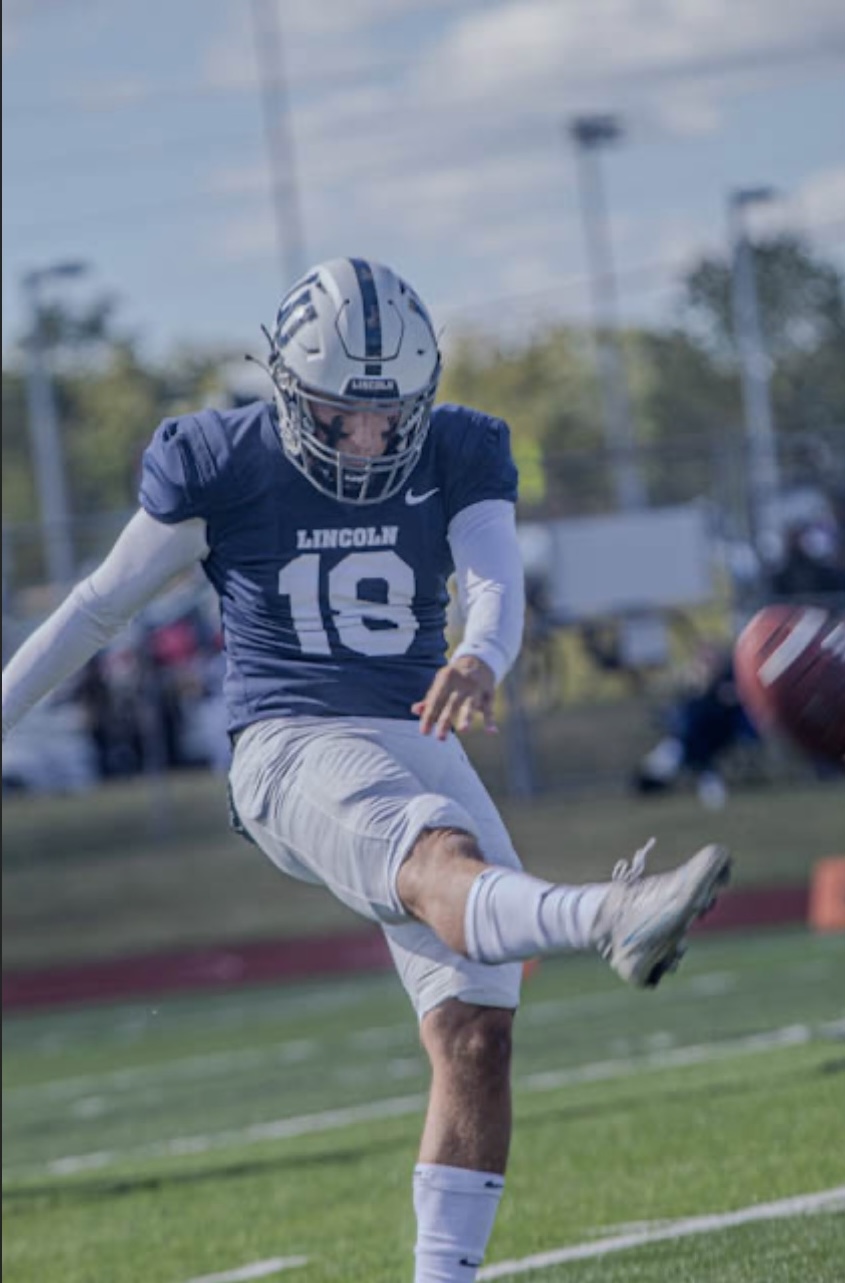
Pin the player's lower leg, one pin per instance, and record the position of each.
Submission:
(494, 914)
(637, 923)
(459, 1178)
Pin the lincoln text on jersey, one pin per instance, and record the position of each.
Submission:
(348, 537)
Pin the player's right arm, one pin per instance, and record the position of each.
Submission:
(147, 556)
(183, 479)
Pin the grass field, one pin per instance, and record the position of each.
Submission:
(273, 1131)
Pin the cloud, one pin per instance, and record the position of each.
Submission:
(514, 44)
(427, 132)
(22, 19)
(542, 54)
(243, 238)
(325, 45)
(470, 146)
(818, 203)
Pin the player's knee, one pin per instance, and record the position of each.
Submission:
(431, 865)
(472, 1042)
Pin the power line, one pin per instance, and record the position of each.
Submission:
(91, 162)
(658, 276)
(142, 99)
(831, 51)
(639, 279)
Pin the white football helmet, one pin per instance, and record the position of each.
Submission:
(351, 335)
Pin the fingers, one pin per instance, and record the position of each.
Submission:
(489, 716)
(454, 700)
(451, 709)
(480, 705)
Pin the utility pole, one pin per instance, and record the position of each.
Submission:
(269, 52)
(590, 133)
(763, 477)
(45, 440)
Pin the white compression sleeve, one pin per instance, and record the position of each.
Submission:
(491, 582)
(146, 556)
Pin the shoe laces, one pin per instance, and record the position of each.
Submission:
(633, 870)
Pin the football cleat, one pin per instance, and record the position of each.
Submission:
(642, 922)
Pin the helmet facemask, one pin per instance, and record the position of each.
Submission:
(307, 420)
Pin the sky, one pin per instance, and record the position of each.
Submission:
(430, 134)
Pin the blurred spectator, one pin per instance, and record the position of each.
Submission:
(110, 719)
(703, 724)
(811, 568)
(542, 678)
(52, 753)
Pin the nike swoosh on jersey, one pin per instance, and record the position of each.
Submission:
(411, 498)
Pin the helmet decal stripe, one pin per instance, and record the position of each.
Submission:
(372, 311)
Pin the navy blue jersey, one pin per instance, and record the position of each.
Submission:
(327, 608)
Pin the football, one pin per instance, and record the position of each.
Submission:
(789, 667)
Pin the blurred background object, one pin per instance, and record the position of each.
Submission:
(704, 723)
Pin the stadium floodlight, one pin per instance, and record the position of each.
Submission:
(594, 131)
(741, 197)
(590, 134)
(762, 468)
(47, 456)
(36, 277)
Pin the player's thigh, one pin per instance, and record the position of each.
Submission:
(431, 972)
(330, 801)
(445, 768)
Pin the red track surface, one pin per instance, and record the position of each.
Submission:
(227, 966)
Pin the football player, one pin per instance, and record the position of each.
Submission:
(328, 519)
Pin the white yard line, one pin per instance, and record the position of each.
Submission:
(257, 1270)
(373, 1039)
(230, 1011)
(669, 1058)
(279, 1129)
(399, 1106)
(211, 1065)
(830, 1200)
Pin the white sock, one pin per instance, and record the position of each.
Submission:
(511, 915)
(455, 1210)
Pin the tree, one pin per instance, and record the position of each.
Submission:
(109, 401)
(802, 308)
(546, 391)
(686, 408)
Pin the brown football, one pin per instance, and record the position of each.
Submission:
(789, 664)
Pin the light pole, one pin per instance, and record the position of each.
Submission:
(47, 457)
(590, 133)
(269, 52)
(763, 479)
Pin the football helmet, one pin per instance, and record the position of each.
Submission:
(353, 336)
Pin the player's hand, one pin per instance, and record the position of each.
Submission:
(460, 692)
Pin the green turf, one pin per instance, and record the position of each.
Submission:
(723, 1089)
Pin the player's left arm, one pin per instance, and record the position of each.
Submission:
(491, 591)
